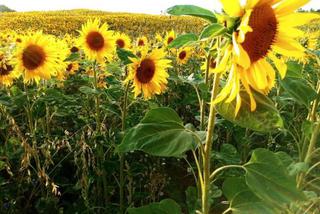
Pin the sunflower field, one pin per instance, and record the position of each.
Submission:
(194, 112)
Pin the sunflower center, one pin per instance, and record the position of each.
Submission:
(146, 70)
(95, 41)
(141, 42)
(182, 55)
(33, 56)
(170, 39)
(5, 71)
(74, 49)
(69, 68)
(264, 29)
(120, 43)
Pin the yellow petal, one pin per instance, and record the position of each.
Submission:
(288, 47)
(238, 104)
(270, 73)
(259, 75)
(235, 87)
(297, 19)
(244, 82)
(224, 62)
(280, 64)
(288, 6)
(241, 56)
(232, 7)
(226, 89)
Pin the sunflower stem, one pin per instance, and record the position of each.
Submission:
(97, 98)
(208, 147)
(121, 155)
(206, 81)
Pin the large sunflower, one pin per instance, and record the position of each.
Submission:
(123, 41)
(267, 30)
(149, 73)
(40, 56)
(97, 41)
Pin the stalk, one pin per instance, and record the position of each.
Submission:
(122, 158)
(208, 147)
(97, 98)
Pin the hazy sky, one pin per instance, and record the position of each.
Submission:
(137, 6)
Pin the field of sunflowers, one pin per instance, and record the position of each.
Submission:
(195, 112)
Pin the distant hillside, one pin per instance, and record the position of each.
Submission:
(4, 8)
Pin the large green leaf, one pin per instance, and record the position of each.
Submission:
(269, 179)
(161, 133)
(265, 118)
(192, 10)
(166, 206)
(299, 90)
(183, 40)
(242, 199)
(212, 31)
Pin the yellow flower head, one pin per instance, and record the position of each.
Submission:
(149, 73)
(142, 42)
(267, 29)
(7, 72)
(40, 56)
(97, 41)
(183, 55)
(170, 36)
(123, 41)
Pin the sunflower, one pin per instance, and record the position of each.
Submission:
(123, 41)
(267, 30)
(149, 73)
(158, 37)
(170, 36)
(212, 65)
(97, 41)
(142, 41)
(7, 72)
(183, 55)
(40, 56)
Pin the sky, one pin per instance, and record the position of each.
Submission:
(135, 6)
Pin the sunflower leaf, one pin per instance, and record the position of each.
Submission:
(266, 118)
(269, 179)
(183, 40)
(212, 31)
(160, 133)
(299, 89)
(192, 10)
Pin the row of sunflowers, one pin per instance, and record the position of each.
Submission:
(62, 22)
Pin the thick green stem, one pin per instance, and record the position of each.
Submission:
(206, 80)
(97, 98)
(208, 147)
(122, 158)
(312, 144)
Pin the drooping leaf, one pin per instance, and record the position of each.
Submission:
(183, 40)
(212, 31)
(299, 90)
(269, 179)
(161, 133)
(266, 118)
(242, 199)
(166, 206)
(192, 10)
